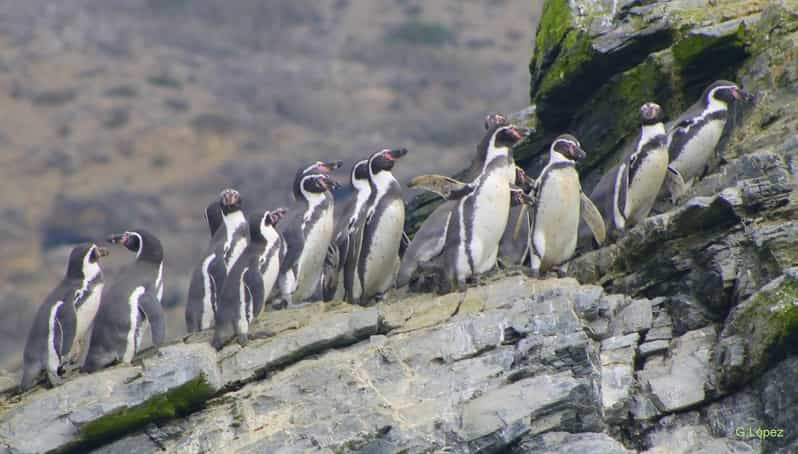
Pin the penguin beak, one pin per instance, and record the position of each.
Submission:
(520, 132)
(118, 238)
(578, 153)
(395, 154)
(102, 251)
(277, 215)
(742, 95)
(327, 167)
(230, 197)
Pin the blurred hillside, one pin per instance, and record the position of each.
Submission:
(124, 113)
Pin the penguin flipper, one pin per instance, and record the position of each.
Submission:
(218, 274)
(155, 315)
(253, 280)
(675, 184)
(593, 219)
(444, 186)
(404, 242)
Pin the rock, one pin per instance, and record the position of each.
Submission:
(617, 376)
(635, 317)
(647, 349)
(691, 314)
(694, 439)
(678, 382)
(758, 332)
(564, 443)
(261, 356)
(95, 408)
(779, 397)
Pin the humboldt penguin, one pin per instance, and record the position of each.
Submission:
(373, 256)
(129, 303)
(559, 202)
(307, 235)
(626, 193)
(64, 316)
(694, 136)
(425, 251)
(229, 237)
(350, 207)
(251, 279)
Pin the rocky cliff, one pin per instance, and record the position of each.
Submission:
(679, 338)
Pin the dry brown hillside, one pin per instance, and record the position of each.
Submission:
(117, 113)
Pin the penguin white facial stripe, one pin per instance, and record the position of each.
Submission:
(141, 242)
(54, 356)
(132, 334)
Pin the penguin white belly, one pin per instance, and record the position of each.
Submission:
(244, 305)
(207, 294)
(384, 249)
(698, 151)
(311, 259)
(87, 311)
(644, 187)
(491, 210)
(557, 217)
(133, 337)
(269, 275)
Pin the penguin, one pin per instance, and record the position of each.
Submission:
(373, 256)
(131, 301)
(514, 245)
(694, 136)
(64, 317)
(307, 235)
(426, 248)
(558, 204)
(350, 207)
(627, 192)
(317, 167)
(229, 237)
(251, 279)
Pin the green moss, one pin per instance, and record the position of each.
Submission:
(176, 402)
(771, 321)
(576, 52)
(554, 22)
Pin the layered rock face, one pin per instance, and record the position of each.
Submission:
(681, 337)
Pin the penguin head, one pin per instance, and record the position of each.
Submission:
(84, 260)
(272, 218)
(726, 92)
(495, 120)
(146, 245)
(315, 183)
(384, 160)
(651, 113)
(316, 167)
(213, 216)
(509, 135)
(230, 201)
(568, 147)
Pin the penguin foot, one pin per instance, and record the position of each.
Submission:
(279, 304)
(562, 270)
(243, 339)
(54, 379)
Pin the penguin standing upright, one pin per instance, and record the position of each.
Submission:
(350, 207)
(307, 235)
(559, 202)
(229, 237)
(694, 136)
(251, 279)
(425, 250)
(129, 303)
(627, 192)
(64, 316)
(373, 255)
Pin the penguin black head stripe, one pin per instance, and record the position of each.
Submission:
(315, 183)
(360, 171)
(143, 243)
(385, 159)
(725, 91)
(508, 136)
(213, 215)
(261, 219)
(230, 200)
(569, 147)
(317, 167)
(83, 257)
(651, 113)
(494, 121)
